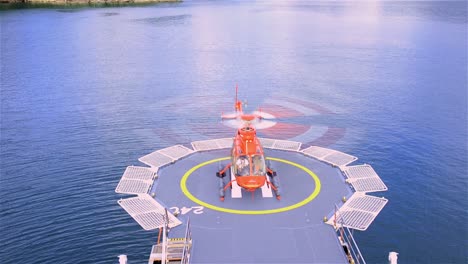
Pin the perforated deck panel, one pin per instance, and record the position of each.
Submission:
(359, 211)
(136, 180)
(225, 142)
(360, 171)
(176, 152)
(156, 159)
(132, 186)
(363, 178)
(330, 156)
(204, 145)
(139, 173)
(267, 142)
(317, 152)
(339, 158)
(280, 144)
(212, 144)
(287, 145)
(147, 212)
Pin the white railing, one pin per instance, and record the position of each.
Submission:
(188, 244)
(346, 238)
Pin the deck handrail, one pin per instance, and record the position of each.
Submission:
(347, 238)
(188, 241)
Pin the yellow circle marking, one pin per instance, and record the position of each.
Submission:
(312, 196)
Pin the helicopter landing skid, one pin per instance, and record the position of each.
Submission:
(222, 173)
(275, 189)
(273, 184)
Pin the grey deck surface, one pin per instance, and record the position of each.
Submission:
(294, 236)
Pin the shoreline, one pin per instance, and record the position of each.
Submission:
(19, 4)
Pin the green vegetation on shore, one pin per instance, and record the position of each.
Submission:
(20, 4)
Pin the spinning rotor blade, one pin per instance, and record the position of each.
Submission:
(229, 116)
(264, 115)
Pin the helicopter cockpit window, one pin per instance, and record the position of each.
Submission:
(242, 166)
(259, 168)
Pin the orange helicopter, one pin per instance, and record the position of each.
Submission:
(248, 166)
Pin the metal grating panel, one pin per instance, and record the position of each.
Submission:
(150, 220)
(139, 173)
(368, 185)
(360, 171)
(339, 158)
(317, 152)
(176, 152)
(357, 219)
(267, 142)
(224, 142)
(205, 145)
(136, 205)
(359, 211)
(287, 145)
(367, 203)
(132, 186)
(156, 159)
(147, 212)
(330, 156)
(136, 180)
(363, 178)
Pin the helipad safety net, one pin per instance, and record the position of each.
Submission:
(280, 144)
(165, 156)
(147, 212)
(267, 142)
(136, 180)
(212, 144)
(358, 212)
(176, 152)
(363, 178)
(330, 156)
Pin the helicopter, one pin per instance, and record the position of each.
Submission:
(248, 167)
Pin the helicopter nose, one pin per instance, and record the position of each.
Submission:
(252, 182)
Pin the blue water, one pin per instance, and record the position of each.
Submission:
(86, 92)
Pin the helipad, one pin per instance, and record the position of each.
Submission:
(314, 191)
(256, 228)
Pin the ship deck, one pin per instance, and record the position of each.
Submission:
(255, 227)
(251, 233)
